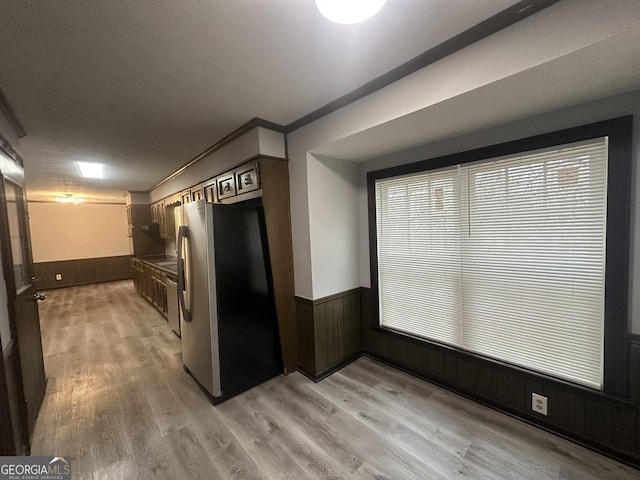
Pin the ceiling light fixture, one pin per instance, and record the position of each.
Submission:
(90, 170)
(69, 198)
(349, 11)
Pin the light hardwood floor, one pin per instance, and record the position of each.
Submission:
(119, 403)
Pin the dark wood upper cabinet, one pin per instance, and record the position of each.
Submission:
(155, 212)
(145, 235)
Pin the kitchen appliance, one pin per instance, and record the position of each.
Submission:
(173, 315)
(228, 322)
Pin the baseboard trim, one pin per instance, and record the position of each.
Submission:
(331, 369)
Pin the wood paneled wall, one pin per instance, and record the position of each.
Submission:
(82, 271)
(274, 178)
(329, 332)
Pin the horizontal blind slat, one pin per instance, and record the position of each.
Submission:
(503, 257)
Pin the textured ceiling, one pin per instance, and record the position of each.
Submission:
(144, 86)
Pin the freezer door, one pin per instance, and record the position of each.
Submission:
(172, 306)
(197, 297)
(247, 323)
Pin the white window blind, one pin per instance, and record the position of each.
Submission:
(505, 258)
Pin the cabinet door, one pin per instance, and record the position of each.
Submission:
(163, 294)
(210, 193)
(146, 275)
(129, 221)
(140, 274)
(162, 216)
(247, 179)
(154, 213)
(197, 193)
(156, 289)
(226, 186)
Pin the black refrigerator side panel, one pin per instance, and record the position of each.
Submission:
(247, 324)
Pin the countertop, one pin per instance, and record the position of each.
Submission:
(166, 263)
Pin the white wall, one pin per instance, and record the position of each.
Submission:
(448, 89)
(70, 232)
(333, 182)
(257, 141)
(300, 223)
(271, 143)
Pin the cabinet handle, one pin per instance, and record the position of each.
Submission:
(248, 180)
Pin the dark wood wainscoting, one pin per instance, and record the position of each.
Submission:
(82, 271)
(329, 332)
(333, 331)
(607, 424)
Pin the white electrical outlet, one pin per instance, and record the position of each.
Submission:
(58, 276)
(539, 403)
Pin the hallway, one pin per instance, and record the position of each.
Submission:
(119, 403)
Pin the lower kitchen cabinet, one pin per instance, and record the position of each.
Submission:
(151, 283)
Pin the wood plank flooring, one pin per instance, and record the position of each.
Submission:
(119, 403)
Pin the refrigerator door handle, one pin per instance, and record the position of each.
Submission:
(183, 272)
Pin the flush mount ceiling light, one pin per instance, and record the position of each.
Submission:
(349, 11)
(90, 170)
(68, 198)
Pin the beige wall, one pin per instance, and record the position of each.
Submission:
(70, 232)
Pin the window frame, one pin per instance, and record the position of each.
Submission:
(619, 132)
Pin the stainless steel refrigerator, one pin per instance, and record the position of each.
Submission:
(228, 322)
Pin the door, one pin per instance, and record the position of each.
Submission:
(22, 295)
(14, 439)
(196, 294)
(247, 324)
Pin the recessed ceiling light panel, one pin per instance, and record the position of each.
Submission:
(68, 198)
(349, 11)
(90, 170)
